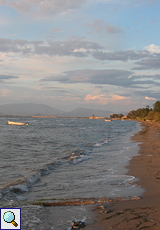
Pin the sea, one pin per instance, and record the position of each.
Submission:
(60, 158)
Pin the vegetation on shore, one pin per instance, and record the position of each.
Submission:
(146, 113)
(116, 116)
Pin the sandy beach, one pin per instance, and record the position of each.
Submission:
(143, 213)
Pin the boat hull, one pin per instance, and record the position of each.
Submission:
(17, 123)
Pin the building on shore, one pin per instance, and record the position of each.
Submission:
(124, 118)
(93, 117)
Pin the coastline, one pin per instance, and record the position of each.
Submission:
(119, 213)
(143, 213)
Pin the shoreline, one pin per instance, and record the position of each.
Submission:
(125, 214)
(143, 213)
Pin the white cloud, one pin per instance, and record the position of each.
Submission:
(153, 48)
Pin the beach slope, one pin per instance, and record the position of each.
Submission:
(143, 213)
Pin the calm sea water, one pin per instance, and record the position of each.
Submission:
(66, 158)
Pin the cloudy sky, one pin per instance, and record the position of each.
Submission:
(101, 54)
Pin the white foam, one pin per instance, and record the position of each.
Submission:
(98, 145)
(106, 141)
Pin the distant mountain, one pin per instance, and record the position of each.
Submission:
(82, 112)
(29, 109)
(32, 109)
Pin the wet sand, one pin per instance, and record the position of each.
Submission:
(143, 213)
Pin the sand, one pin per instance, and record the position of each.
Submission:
(143, 213)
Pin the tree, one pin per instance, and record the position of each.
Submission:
(139, 113)
(115, 115)
(156, 106)
(146, 113)
(156, 116)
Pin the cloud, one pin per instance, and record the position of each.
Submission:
(153, 48)
(150, 98)
(47, 8)
(57, 90)
(15, 46)
(95, 97)
(149, 93)
(145, 76)
(149, 63)
(99, 26)
(146, 79)
(75, 47)
(43, 7)
(122, 55)
(5, 93)
(56, 30)
(114, 77)
(106, 76)
(79, 48)
(104, 99)
(4, 77)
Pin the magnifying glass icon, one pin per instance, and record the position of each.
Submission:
(9, 217)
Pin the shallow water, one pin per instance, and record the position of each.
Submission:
(66, 158)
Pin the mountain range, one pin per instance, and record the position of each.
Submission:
(32, 109)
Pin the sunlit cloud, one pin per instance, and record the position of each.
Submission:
(103, 98)
(153, 48)
(150, 98)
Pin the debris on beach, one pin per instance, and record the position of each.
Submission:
(78, 224)
(104, 210)
(82, 201)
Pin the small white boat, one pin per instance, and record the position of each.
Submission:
(17, 123)
(108, 120)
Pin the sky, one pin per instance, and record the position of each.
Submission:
(97, 54)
